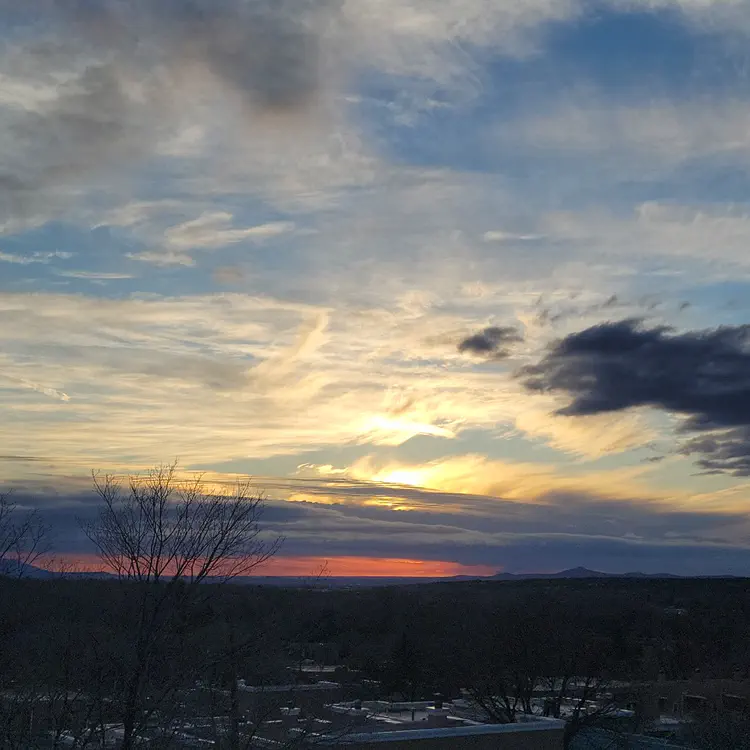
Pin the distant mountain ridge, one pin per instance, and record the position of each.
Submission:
(579, 573)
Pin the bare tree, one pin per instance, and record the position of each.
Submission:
(24, 538)
(589, 703)
(168, 536)
(508, 665)
(504, 695)
(539, 657)
(716, 730)
(318, 577)
(163, 529)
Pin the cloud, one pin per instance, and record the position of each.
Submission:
(593, 148)
(269, 52)
(135, 213)
(95, 91)
(677, 238)
(99, 94)
(51, 392)
(492, 342)
(423, 39)
(707, 15)
(478, 475)
(124, 80)
(163, 259)
(549, 533)
(143, 95)
(261, 375)
(722, 451)
(551, 530)
(214, 230)
(95, 275)
(228, 275)
(498, 235)
(703, 376)
(257, 377)
(590, 437)
(35, 257)
(663, 131)
(93, 122)
(92, 90)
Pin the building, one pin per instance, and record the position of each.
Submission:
(534, 734)
(356, 725)
(688, 699)
(312, 698)
(381, 725)
(596, 739)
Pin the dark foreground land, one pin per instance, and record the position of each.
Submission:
(75, 656)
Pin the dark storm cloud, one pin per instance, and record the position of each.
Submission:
(492, 342)
(701, 375)
(722, 451)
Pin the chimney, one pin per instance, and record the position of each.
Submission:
(358, 715)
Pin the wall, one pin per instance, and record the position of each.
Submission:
(673, 693)
(549, 739)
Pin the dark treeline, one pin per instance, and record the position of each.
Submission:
(67, 650)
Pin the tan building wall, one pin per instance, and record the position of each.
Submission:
(669, 697)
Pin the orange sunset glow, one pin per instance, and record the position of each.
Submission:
(312, 566)
(370, 566)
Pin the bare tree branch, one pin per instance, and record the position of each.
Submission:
(24, 538)
(162, 529)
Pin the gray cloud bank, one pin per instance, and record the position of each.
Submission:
(268, 51)
(92, 86)
(551, 532)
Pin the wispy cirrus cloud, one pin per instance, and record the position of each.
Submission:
(480, 476)
(163, 259)
(213, 230)
(293, 366)
(34, 257)
(667, 133)
(95, 275)
(24, 383)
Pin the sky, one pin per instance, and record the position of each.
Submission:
(464, 285)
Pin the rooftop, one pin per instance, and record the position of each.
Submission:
(382, 734)
(382, 721)
(290, 688)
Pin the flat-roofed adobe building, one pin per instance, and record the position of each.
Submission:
(420, 726)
